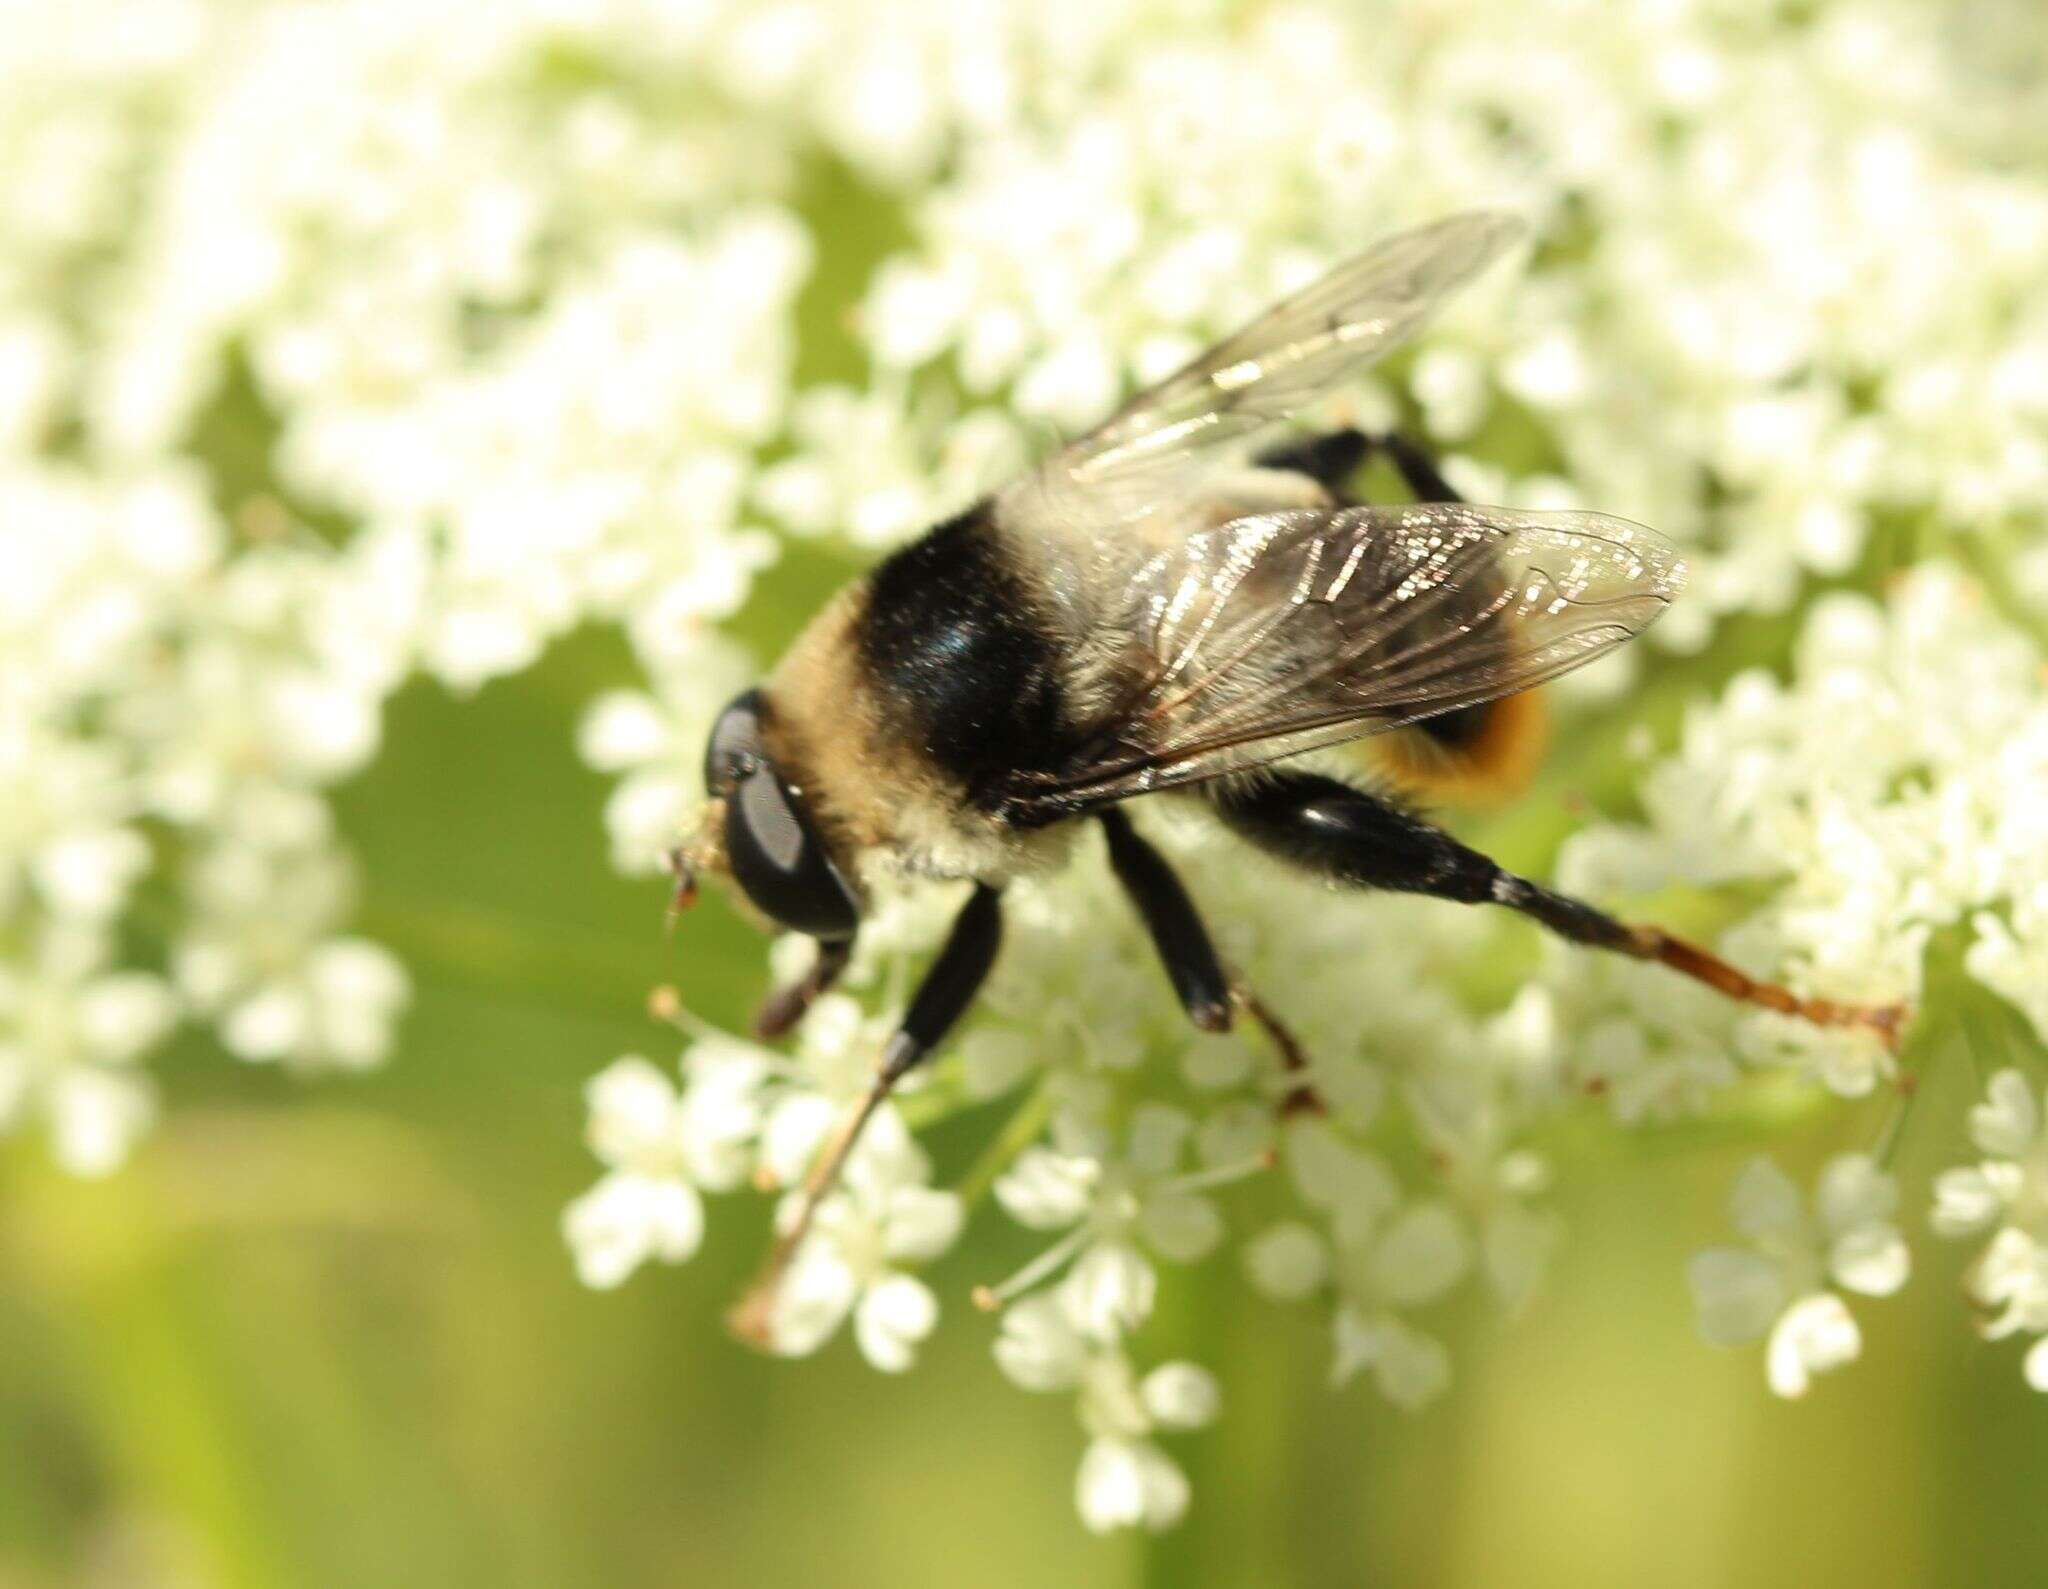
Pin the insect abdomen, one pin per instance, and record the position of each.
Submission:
(956, 650)
(1481, 754)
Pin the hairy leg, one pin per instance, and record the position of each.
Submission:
(782, 1009)
(1333, 457)
(1176, 928)
(1350, 836)
(1210, 998)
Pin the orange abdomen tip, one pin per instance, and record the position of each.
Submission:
(1477, 755)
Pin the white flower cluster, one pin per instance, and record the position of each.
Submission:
(1892, 795)
(164, 848)
(2007, 1193)
(1781, 293)
(1409, 1183)
(1894, 789)
(746, 1114)
(345, 342)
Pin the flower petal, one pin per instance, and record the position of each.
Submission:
(1287, 1261)
(892, 1316)
(1109, 1290)
(1123, 1483)
(627, 1219)
(1854, 1191)
(1764, 1203)
(1180, 1225)
(631, 1106)
(1411, 1369)
(2036, 1365)
(921, 1222)
(2006, 1123)
(1423, 1253)
(818, 1291)
(1872, 1259)
(1158, 1133)
(1038, 1347)
(1045, 1190)
(1180, 1395)
(1736, 1293)
(1965, 1201)
(1817, 1333)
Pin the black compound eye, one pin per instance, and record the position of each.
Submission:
(778, 858)
(734, 749)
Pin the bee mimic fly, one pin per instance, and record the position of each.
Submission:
(1178, 603)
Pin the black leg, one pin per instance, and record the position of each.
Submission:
(1170, 916)
(1332, 458)
(949, 986)
(782, 1009)
(1418, 468)
(1348, 835)
(1205, 992)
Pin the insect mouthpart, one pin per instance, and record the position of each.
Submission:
(702, 853)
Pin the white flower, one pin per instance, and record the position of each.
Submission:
(883, 1217)
(1411, 1368)
(645, 1208)
(661, 1147)
(655, 745)
(629, 1218)
(1384, 1255)
(1126, 1483)
(2007, 1189)
(1287, 1261)
(1125, 1480)
(1114, 1201)
(1467, 1116)
(1780, 1283)
(71, 1034)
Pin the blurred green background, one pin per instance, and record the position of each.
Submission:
(329, 1335)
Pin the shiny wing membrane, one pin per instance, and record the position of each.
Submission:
(1283, 632)
(1156, 449)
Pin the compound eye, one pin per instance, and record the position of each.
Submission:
(734, 749)
(779, 859)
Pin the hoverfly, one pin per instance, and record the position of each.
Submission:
(1177, 603)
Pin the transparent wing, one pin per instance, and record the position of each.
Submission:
(1283, 632)
(1158, 445)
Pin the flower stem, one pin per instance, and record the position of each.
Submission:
(1018, 1133)
(1895, 1126)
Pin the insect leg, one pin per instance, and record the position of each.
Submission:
(1332, 458)
(1417, 466)
(782, 1009)
(1350, 836)
(1170, 916)
(1205, 992)
(949, 986)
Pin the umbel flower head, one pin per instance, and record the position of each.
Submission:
(1789, 1280)
(525, 349)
